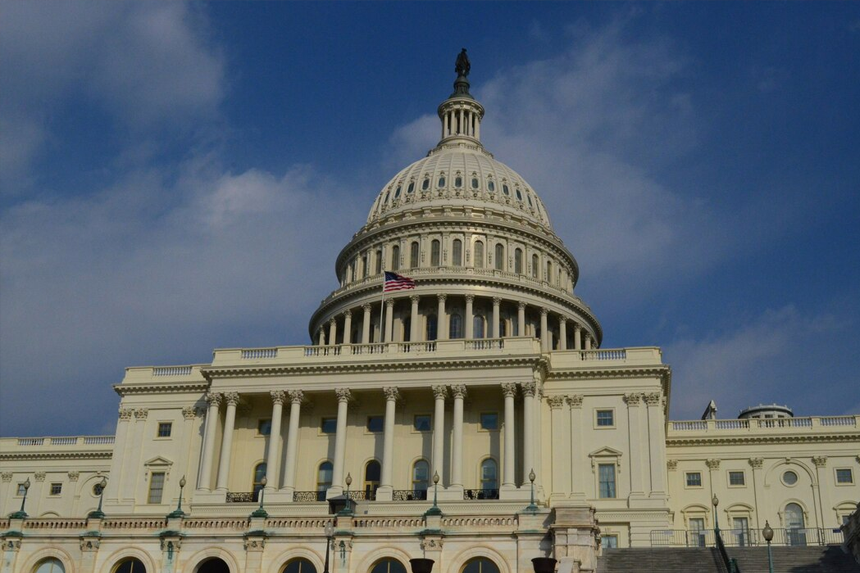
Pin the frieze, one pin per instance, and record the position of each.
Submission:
(509, 389)
(632, 399)
(296, 396)
(278, 396)
(392, 394)
(189, 412)
(214, 399)
(178, 388)
(440, 392)
(458, 391)
(529, 388)
(653, 399)
(232, 398)
(343, 394)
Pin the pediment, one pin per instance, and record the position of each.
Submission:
(606, 452)
(158, 461)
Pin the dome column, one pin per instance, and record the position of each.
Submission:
(496, 303)
(347, 327)
(232, 399)
(470, 322)
(587, 341)
(413, 320)
(332, 332)
(529, 389)
(562, 333)
(577, 337)
(321, 336)
(521, 319)
(274, 453)
(544, 330)
(441, 319)
(365, 324)
(389, 319)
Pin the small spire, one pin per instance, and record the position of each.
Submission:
(462, 67)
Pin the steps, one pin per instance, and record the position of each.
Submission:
(814, 559)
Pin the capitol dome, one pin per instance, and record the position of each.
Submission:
(476, 240)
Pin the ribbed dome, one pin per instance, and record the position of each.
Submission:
(459, 174)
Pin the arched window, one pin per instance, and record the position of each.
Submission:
(489, 474)
(548, 277)
(435, 252)
(407, 329)
(479, 255)
(411, 187)
(378, 268)
(480, 565)
(500, 257)
(50, 565)
(388, 566)
(324, 479)
(535, 266)
(503, 328)
(456, 326)
(372, 473)
(395, 258)
(432, 327)
(130, 565)
(478, 326)
(213, 565)
(518, 261)
(413, 255)
(420, 479)
(298, 565)
(259, 473)
(795, 524)
(457, 253)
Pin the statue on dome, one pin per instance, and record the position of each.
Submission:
(462, 66)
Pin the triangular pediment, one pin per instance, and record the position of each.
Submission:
(158, 461)
(605, 452)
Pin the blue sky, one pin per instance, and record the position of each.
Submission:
(180, 177)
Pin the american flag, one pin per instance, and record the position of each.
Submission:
(395, 282)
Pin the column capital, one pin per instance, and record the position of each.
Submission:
(125, 414)
(509, 389)
(529, 388)
(713, 464)
(575, 401)
(296, 396)
(497, 300)
(141, 413)
(214, 398)
(442, 296)
(232, 398)
(332, 321)
(555, 402)
(440, 392)
(389, 303)
(562, 319)
(576, 327)
(367, 307)
(632, 399)
(414, 298)
(652, 399)
(392, 394)
(820, 461)
(343, 394)
(278, 396)
(544, 311)
(672, 464)
(189, 412)
(470, 298)
(756, 463)
(521, 305)
(458, 391)
(347, 313)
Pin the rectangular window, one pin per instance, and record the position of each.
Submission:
(605, 418)
(694, 479)
(489, 421)
(164, 429)
(21, 490)
(375, 423)
(264, 427)
(737, 478)
(156, 487)
(328, 425)
(421, 423)
(56, 488)
(609, 541)
(844, 475)
(606, 474)
(698, 535)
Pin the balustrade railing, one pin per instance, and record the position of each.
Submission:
(66, 441)
(369, 495)
(752, 424)
(610, 354)
(171, 371)
(242, 496)
(308, 496)
(409, 495)
(480, 494)
(485, 344)
(257, 353)
(374, 348)
(793, 537)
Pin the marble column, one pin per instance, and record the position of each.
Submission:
(413, 320)
(544, 330)
(509, 390)
(441, 319)
(521, 319)
(439, 394)
(365, 324)
(389, 319)
(232, 399)
(347, 327)
(577, 448)
(470, 322)
(205, 481)
(391, 396)
(528, 427)
(321, 337)
(656, 439)
(332, 332)
(562, 333)
(577, 337)
(274, 453)
(560, 441)
(343, 395)
(633, 401)
(587, 341)
(458, 391)
(496, 303)
(296, 397)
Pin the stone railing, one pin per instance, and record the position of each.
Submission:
(65, 441)
(830, 423)
(745, 537)
(409, 495)
(171, 371)
(388, 522)
(241, 497)
(308, 496)
(294, 523)
(135, 523)
(469, 494)
(55, 523)
(479, 521)
(216, 523)
(258, 353)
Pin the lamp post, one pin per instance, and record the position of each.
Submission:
(99, 514)
(348, 506)
(532, 507)
(21, 514)
(435, 509)
(329, 533)
(260, 512)
(715, 500)
(178, 511)
(767, 533)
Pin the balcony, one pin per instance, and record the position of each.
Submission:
(765, 426)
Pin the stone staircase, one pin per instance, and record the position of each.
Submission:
(827, 559)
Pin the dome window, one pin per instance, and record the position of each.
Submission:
(442, 181)
(387, 193)
(474, 182)
(425, 185)
(458, 181)
(411, 187)
(491, 187)
(519, 195)
(505, 189)
(397, 192)
(529, 197)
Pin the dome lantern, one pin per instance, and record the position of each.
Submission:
(461, 114)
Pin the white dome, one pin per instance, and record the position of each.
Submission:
(456, 175)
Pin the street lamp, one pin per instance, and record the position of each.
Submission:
(178, 511)
(532, 507)
(715, 500)
(435, 509)
(767, 533)
(348, 506)
(329, 533)
(21, 514)
(99, 514)
(260, 512)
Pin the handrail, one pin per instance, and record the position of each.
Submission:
(731, 564)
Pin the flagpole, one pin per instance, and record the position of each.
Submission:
(382, 309)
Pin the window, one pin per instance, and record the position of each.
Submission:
(264, 427)
(324, 474)
(609, 541)
(411, 187)
(795, 524)
(606, 477)
(480, 565)
(519, 195)
(420, 478)
(421, 423)
(299, 565)
(489, 474)
(432, 327)
(388, 566)
(397, 192)
(458, 181)
(475, 183)
(435, 251)
(97, 489)
(694, 479)
(395, 258)
(789, 478)
(489, 421)
(378, 259)
(456, 326)
(413, 255)
(407, 329)
(737, 478)
(457, 253)
(500, 257)
(505, 189)
(477, 326)
(535, 266)
(844, 476)
(697, 532)
(375, 423)
(214, 565)
(479, 255)
(741, 531)
(425, 185)
(257, 483)
(50, 565)
(441, 181)
(372, 473)
(529, 197)
(164, 429)
(548, 276)
(130, 565)
(328, 425)
(518, 261)
(385, 200)
(364, 269)
(156, 487)
(605, 418)
(56, 488)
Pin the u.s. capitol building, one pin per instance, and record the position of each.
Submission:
(489, 374)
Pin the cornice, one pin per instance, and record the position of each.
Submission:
(769, 439)
(592, 372)
(57, 456)
(160, 388)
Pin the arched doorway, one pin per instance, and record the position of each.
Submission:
(372, 475)
(50, 565)
(129, 565)
(298, 565)
(213, 565)
(480, 565)
(795, 524)
(388, 566)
